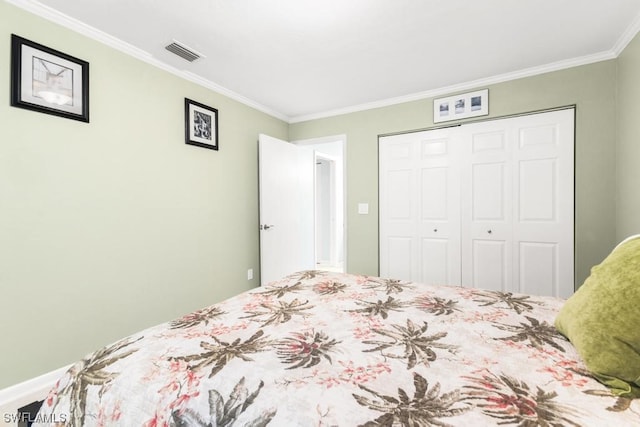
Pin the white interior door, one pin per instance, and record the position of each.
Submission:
(286, 233)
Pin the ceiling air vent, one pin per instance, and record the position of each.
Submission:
(183, 51)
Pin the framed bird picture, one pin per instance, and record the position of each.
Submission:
(48, 81)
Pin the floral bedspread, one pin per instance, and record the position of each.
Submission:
(326, 349)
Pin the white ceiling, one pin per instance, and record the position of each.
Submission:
(302, 59)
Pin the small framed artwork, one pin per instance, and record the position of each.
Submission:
(201, 125)
(461, 106)
(48, 81)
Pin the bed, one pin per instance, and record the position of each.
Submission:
(328, 349)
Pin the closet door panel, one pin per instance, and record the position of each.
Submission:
(399, 200)
(538, 268)
(435, 262)
(538, 190)
(488, 192)
(401, 253)
(434, 189)
(419, 199)
(544, 203)
(435, 231)
(490, 264)
(486, 220)
(397, 185)
(439, 218)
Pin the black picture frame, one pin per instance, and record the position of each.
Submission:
(48, 81)
(200, 125)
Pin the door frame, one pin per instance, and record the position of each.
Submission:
(342, 139)
(331, 162)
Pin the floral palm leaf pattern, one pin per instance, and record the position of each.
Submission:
(379, 307)
(436, 305)
(328, 349)
(281, 312)
(92, 372)
(425, 408)
(418, 347)
(220, 353)
(196, 318)
(306, 275)
(329, 287)
(518, 303)
(280, 291)
(513, 402)
(389, 286)
(305, 349)
(621, 404)
(537, 333)
(223, 413)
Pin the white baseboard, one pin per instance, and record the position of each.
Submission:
(16, 396)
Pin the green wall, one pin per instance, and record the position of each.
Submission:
(591, 88)
(113, 226)
(628, 156)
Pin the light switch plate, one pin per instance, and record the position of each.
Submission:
(363, 208)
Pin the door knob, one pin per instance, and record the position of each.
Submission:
(266, 226)
(435, 230)
(489, 231)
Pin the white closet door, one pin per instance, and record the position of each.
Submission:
(420, 198)
(544, 204)
(517, 231)
(397, 234)
(486, 228)
(439, 207)
(488, 205)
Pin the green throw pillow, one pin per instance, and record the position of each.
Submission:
(602, 320)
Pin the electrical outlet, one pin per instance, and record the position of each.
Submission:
(250, 274)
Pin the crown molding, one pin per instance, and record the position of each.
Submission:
(622, 42)
(627, 36)
(194, 78)
(528, 72)
(73, 24)
(53, 15)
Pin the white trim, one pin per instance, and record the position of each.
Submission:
(187, 75)
(73, 24)
(342, 138)
(322, 140)
(53, 15)
(527, 72)
(627, 36)
(16, 396)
